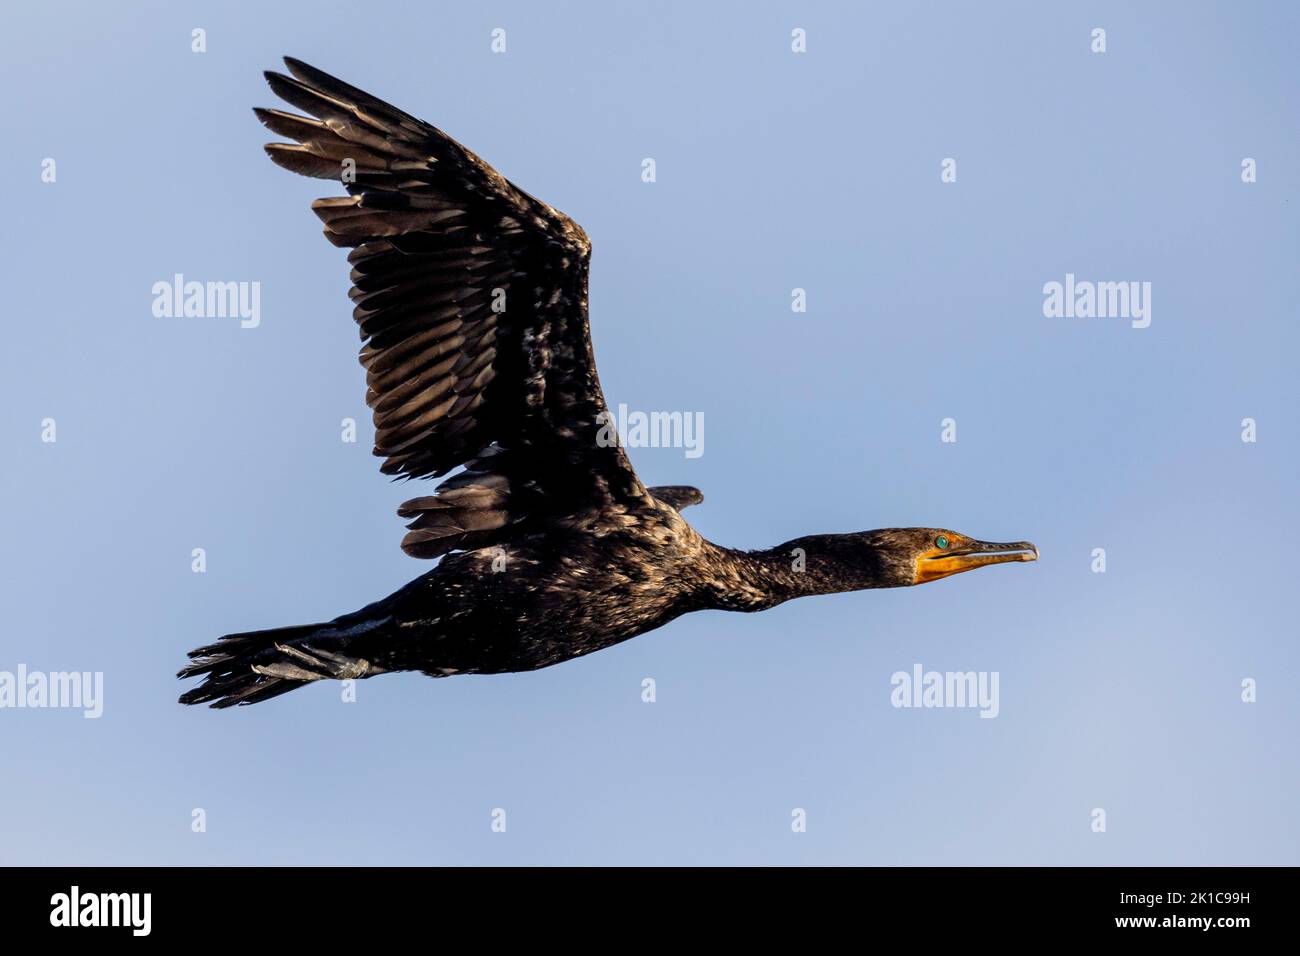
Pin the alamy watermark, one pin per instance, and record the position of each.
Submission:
(75, 908)
(78, 690)
(1083, 299)
(208, 300)
(652, 430)
(922, 688)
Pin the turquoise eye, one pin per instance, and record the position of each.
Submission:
(941, 542)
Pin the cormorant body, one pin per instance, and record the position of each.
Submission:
(471, 297)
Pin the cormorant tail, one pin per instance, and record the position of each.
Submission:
(255, 666)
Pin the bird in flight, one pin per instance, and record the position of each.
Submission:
(471, 297)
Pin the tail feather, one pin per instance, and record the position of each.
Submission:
(251, 667)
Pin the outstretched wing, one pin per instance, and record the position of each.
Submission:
(471, 296)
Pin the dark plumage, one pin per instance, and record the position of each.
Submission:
(471, 297)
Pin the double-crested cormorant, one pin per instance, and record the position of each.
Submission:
(551, 547)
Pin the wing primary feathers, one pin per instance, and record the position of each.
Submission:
(471, 300)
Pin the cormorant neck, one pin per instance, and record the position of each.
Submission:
(816, 564)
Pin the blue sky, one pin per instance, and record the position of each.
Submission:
(775, 171)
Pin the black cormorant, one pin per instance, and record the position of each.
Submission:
(471, 296)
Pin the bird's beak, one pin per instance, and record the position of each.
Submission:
(936, 563)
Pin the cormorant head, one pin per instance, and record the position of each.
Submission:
(894, 557)
(920, 555)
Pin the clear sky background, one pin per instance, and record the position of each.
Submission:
(1119, 691)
